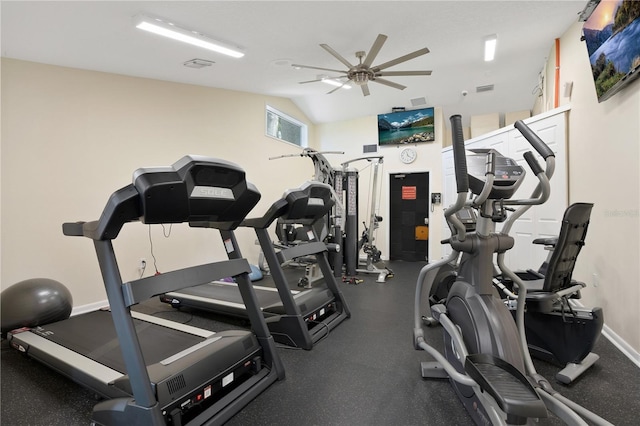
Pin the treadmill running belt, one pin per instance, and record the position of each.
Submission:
(231, 293)
(94, 336)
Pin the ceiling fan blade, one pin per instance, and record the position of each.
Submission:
(365, 89)
(336, 55)
(310, 81)
(389, 83)
(318, 68)
(373, 52)
(401, 73)
(338, 87)
(401, 59)
(326, 78)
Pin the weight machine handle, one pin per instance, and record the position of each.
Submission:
(459, 156)
(535, 141)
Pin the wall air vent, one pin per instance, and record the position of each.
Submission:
(369, 148)
(418, 101)
(485, 88)
(198, 63)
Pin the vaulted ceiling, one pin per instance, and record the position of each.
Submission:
(274, 34)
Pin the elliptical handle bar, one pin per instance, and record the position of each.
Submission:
(531, 161)
(459, 156)
(491, 163)
(535, 141)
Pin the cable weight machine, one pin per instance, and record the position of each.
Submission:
(366, 242)
(342, 223)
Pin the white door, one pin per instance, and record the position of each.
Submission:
(538, 221)
(544, 220)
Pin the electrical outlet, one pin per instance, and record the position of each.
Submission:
(143, 264)
(596, 280)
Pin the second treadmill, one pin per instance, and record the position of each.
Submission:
(295, 318)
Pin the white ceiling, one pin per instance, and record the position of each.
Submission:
(100, 36)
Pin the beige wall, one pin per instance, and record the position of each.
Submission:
(350, 135)
(70, 138)
(604, 159)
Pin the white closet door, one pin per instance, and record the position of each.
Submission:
(544, 220)
(449, 194)
(538, 221)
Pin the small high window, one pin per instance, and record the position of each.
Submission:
(285, 128)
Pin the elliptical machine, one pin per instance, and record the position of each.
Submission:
(485, 356)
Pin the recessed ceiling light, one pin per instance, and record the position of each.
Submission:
(490, 43)
(168, 29)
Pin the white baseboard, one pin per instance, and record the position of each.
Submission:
(621, 344)
(77, 310)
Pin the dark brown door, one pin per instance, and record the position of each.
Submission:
(409, 216)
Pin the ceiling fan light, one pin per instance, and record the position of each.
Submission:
(360, 78)
(172, 31)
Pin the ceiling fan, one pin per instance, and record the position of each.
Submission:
(364, 72)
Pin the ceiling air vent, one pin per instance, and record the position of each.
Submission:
(198, 63)
(485, 88)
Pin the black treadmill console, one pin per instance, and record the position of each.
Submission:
(508, 174)
(308, 203)
(195, 188)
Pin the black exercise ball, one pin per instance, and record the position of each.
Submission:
(34, 302)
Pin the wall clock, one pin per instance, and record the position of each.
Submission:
(408, 155)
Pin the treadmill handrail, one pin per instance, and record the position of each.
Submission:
(302, 250)
(145, 288)
(123, 206)
(276, 210)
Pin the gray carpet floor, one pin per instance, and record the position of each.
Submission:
(365, 372)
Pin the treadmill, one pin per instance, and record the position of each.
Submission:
(154, 371)
(295, 318)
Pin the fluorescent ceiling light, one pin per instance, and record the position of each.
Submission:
(490, 47)
(167, 29)
(335, 83)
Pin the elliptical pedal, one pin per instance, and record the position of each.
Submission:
(508, 386)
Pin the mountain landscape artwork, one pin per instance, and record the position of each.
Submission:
(612, 36)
